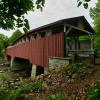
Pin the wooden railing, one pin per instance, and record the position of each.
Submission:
(81, 52)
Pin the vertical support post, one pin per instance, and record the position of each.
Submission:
(78, 43)
(45, 70)
(33, 72)
(11, 63)
(64, 40)
(76, 48)
(64, 27)
(75, 52)
(92, 48)
(92, 43)
(75, 42)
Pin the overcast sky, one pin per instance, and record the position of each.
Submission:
(55, 10)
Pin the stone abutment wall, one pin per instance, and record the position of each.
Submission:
(58, 62)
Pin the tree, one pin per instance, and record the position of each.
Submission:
(12, 12)
(3, 41)
(84, 2)
(95, 15)
(3, 44)
(15, 35)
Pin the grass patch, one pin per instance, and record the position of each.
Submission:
(4, 76)
(94, 92)
(57, 96)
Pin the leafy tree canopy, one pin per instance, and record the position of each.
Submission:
(83, 2)
(3, 42)
(15, 35)
(95, 15)
(12, 12)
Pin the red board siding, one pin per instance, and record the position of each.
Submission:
(38, 51)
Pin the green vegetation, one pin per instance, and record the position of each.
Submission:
(81, 69)
(57, 96)
(19, 94)
(4, 42)
(4, 76)
(84, 38)
(83, 2)
(94, 13)
(52, 86)
(15, 35)
(12, 12)
(3, 93)
(94, 92)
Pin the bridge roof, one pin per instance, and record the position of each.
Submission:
(70, 21)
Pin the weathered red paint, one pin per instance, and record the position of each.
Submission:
(38, 51)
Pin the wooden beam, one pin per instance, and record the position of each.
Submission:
(64, 39)
(68, 30)
(89, 33)
(92, 42)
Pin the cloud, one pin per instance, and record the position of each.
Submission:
(56, 10)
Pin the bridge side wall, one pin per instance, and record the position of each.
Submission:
(38, 51)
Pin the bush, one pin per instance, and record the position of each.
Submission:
(94, 92)
(73, 68)
(80, 68)
(37, 86)
(21, 91)
(57, 96)
(5, 76)
(3, 94)
(4, 90)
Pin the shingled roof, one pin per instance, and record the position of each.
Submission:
(70, 21)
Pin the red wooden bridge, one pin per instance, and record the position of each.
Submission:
(38, 51)
(49, 41)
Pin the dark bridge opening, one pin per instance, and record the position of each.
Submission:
(39, 70)
(8, 58)
(21, 66)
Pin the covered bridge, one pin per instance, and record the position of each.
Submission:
(63, 38)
